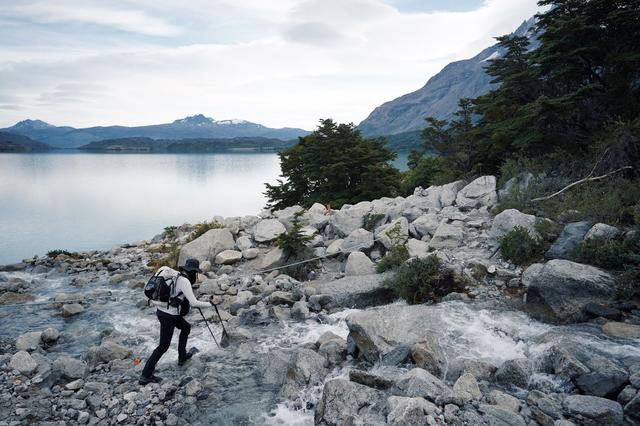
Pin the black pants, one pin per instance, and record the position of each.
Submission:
(167, 324)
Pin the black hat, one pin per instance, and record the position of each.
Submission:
(191, 265)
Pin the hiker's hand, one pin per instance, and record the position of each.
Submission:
(215, 300)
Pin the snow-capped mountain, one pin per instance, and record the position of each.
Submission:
(439, 96)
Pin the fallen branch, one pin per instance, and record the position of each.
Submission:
(587, 179)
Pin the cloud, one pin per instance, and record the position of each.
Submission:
(315, 33)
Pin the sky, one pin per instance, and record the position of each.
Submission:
(281, 63)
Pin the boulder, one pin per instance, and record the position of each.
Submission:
(304, 368)
(420, 383)
(371, 380)
(106, 352)
(504, 401)
(465, 390)
(71, 309)
(244, 242)
(496, 416)
(571, 236)
(515, 372)
(359, 264)
(10, 297)
(394, 233)
(207, 246)
(426, 224)
(428, 355)
(436, 197)
(632, 408)
(281, 298)
(334, 351)
(50, 335)
(347, 220)
(596, 310)
(516, 184)
(70, 368)
(622, 329)
(509, 219)
(228, 257)
(481, 192)
(358, 240)
(602, 230)
(417, 248)
(250, 253)
(287, 215)
(606, 384)
(300, 311)
(272, 258)
(593, 411)
(23, 362)
(344, 402)
(268, 230)
(447, 236)
(559, 291)
(358, 291)
(29, 341)
(335, 247)
(405, 411)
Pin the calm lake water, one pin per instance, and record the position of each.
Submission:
(78, 201)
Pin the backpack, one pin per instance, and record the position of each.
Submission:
(160, 286)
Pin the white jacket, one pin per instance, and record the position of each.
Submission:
(182, 286)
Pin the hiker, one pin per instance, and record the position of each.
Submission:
(171, 316)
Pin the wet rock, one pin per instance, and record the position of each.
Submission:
(268, 230)
(345, 402)
(405, 411)
(496, 416)
(621, 329)
(50, 335)
(504, 401)
(106, 352)
(304, 368)
(559, 290)
(419, 382)
(193, 388)
(359, 264)
(29, 341)
(358, 240)
(571, 236)
(595, 310)
(281, 298)
(626, 395)
(228, 257)
(334, 351)
(602, 383)
(254, 316)
(10, 297)
(480, 192)
(354, 291)
(632, 408)
(593, 411)
(428, 355)
(509, 219)
(72, 309)
(23, 362)
(515, 372)
(69, 368)
(465, 390)
(207, 246)
(370, 379)
(300, 310)
(241, 301)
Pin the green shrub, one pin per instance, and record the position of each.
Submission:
(629, 283)
(614, 254)
(55, 253)
(395, 257)
(548, 230)
(171, 232)
(520, 247)
(170, 259)
(424, 279)
(371, 221)
(294, 245)
(203, 227)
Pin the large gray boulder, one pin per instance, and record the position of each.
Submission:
(29, 341)
(347, 220)
(426, 225)
(571, 236)
(272, 258)
(23, 362)
(394, 233)
(207, 246)
(602, 230)
(593, 411)
(447, 236)
(358, 240)
(344, 402)
(481, 192)
(70, 368)
(287, 215)
(228, 257)
(558, 291)
(354, 291)
(106, 352)
(359, 264)
(417, 248)
(436, 197)
(420, 383)
(268, 230)
(509, 219)
(405, 411)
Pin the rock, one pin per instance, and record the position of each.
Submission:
(559, 290)
(417, 248)
(481, 192)
(408, 411)
(287, 215)
(74, 385)
(50, 335)
(304, 368)
(345, 221)
(268, 230)
(70, 368)
(334, 351)
(281, 298)
(243, 243)
(207, 246)
(240, 301)
(571, 236)
(465, 390)
(515, 372)
(419, 382)
(516, 184)
(10, 297)
(342, 402)
(335, 247)
(593, 411)
(428, 355)
(370, 379)
(228, 257)
(358, 240)
(606, 384)
(193, 388)
(250, 253)
(632, 408)
(602, 230)
(23, 362)
(595, 310)
(358, 291)
(359, 264)
(29, 341)
(509, 219)
(272, 258)
(72, 309)
(447, 236)
(205, 266)
(481, 370)
(504, 401)
(388, 236)
(496, 416)
(622, 329)
(300, 310)
(106, 352)
(426, 224)
(83, 417)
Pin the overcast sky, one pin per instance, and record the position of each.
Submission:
(275, 62)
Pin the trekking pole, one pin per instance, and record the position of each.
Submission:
(225, 337)
(206, 322)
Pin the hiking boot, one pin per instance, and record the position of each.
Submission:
(144, 380)
(182, 361)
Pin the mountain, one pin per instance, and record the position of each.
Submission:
(197, 126)
(10, 142)
(440, 95)
(187, 145)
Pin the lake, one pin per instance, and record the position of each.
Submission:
(77, 201)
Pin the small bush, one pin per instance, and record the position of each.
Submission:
(629, 283)
(171, 232)
(614, 254)
(55, 253)
(204, 227)
(294, 245)
(170, 259)
(395, 257)
(520, 247)
(548, 230)
(424, 279)
(370, 221)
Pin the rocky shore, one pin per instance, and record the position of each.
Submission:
(546, 345)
